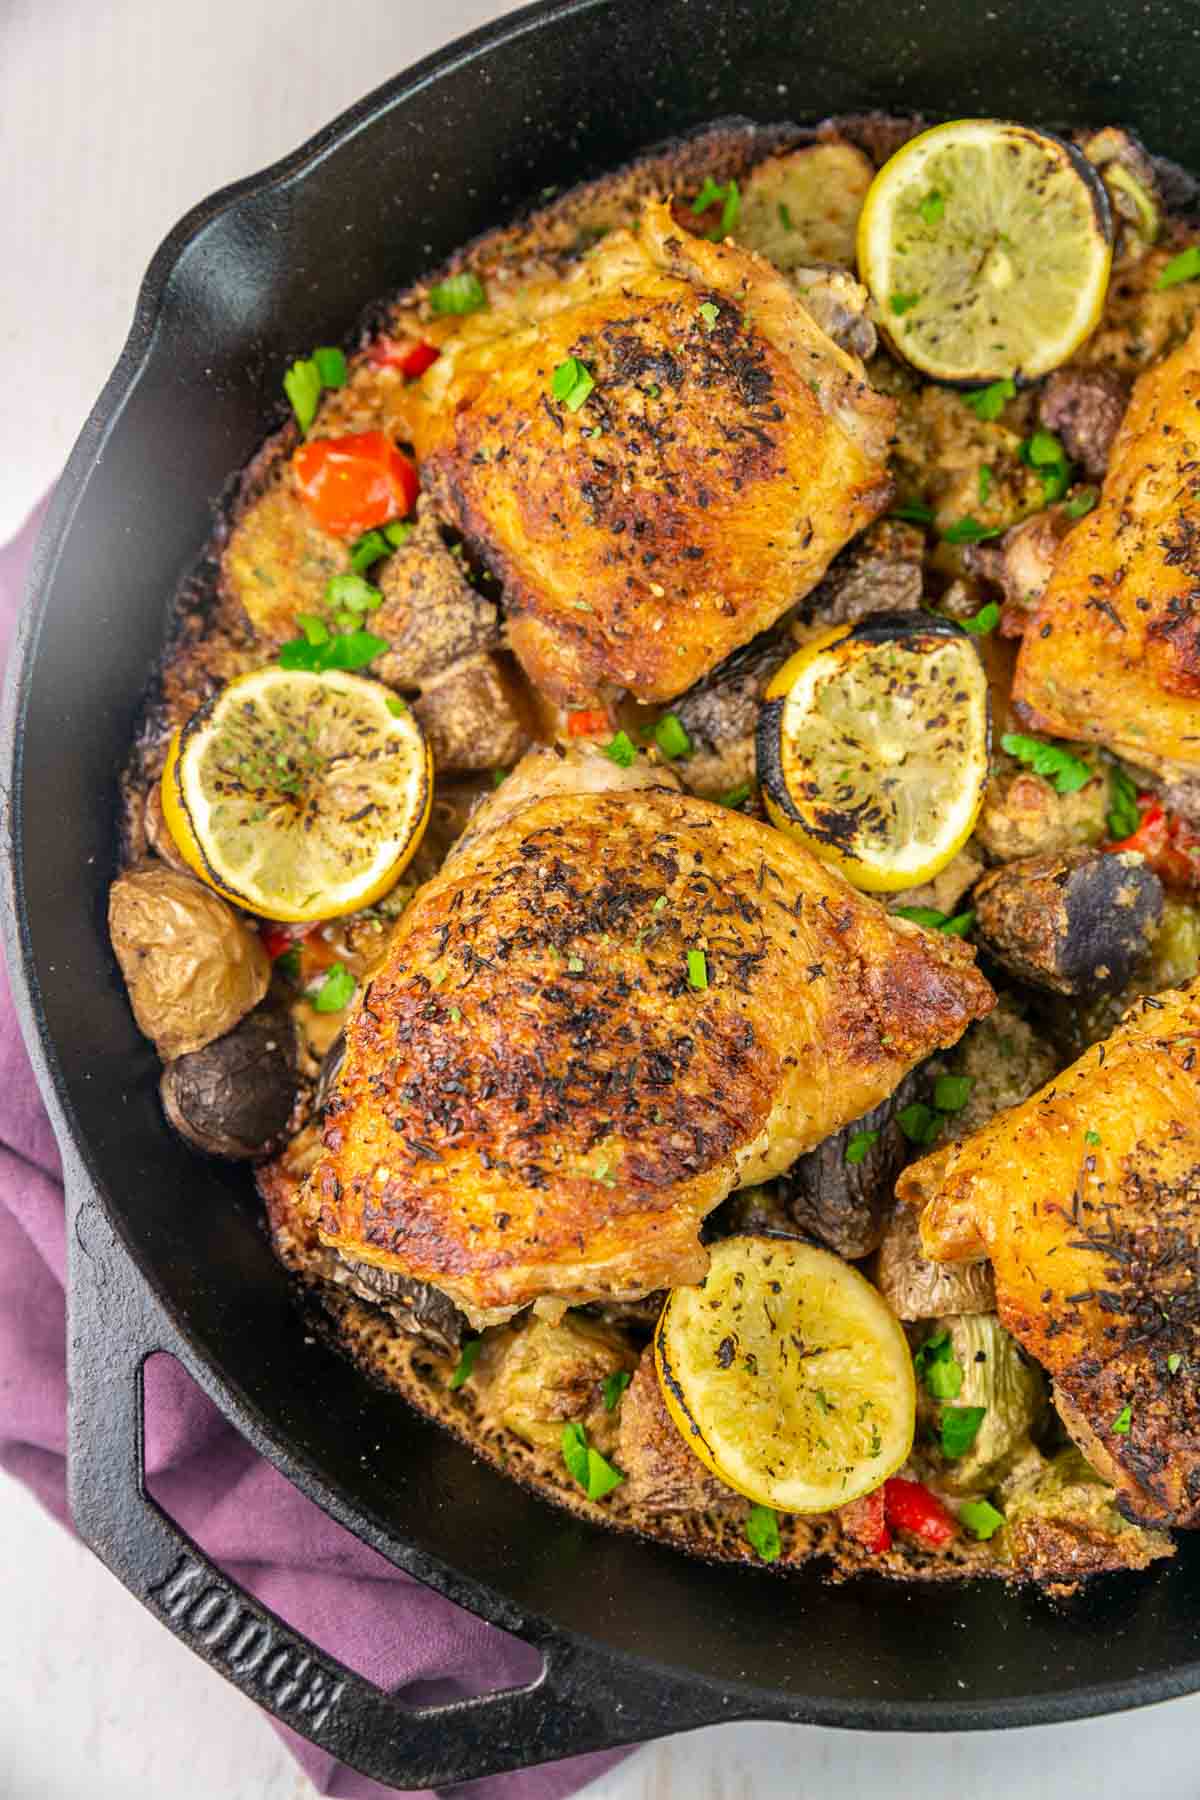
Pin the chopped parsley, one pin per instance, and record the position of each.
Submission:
(919, 1123)
(935, 1365)
(315, 630)
(915, 511)
(969, 531)
(1081, 503)
(1044, 453)
(571, 383)
(302, 385)
(1124, 815)
(985, 482)
(289, 965)
(345, 650)
(933, 920)
(336, 991)
(984, 621)
(727, 197)
(466, 1362)
(398, 532)
(621, 749)
(368, 550)
(1123, 1422)
(1174, 1363)
(960, 1428)
(398, 708)
(697, 968)
(951, 1092)
(762, 1533)
(736, 796)
(980, 1518)
(575, 965)
(353, 594)
(613, 1386)
(860, 1143)
(1184, 267)
(709, 313)
(960, 924)
(1091, 1137)
(785, 216)
(932, 207)
(458, 294)
(671, 737)
(331, 366)
(988, 403)
(1067, 772)
(902, 303)
(594, 1473)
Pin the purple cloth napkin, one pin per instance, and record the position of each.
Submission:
(251, 1521)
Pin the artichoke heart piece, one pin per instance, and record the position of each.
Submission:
(993, 1374)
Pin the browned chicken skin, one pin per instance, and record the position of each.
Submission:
(1087, 1200)
(544, 1092)
(1113, 652)
(726, 451)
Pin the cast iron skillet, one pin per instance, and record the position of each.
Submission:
(166, 1250)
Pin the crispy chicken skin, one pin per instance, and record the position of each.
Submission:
(727, 450)
(1086, 1197)
(541, 1098)
(1113, 652)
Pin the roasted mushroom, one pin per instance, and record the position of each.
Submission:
(418, 1309)
(990, 1372)
(841, 1192)
(1077, 923)
(880, 572)
(1085, 407)
(475, 714)
(1021, 564)
(720, 713)
(193, 969)
(916, 1287)
(235, 1097)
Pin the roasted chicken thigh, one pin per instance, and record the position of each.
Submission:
(648, 523)
(607, 1011)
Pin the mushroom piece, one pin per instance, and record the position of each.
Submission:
(475, 714)
(1085, 408)
(916, 1287)
(841, 1192)
(192, 967)
(234, 1098)
(1077, 922)
(1021, 564)
(418, 1309)
(720, 713)
(880, 572)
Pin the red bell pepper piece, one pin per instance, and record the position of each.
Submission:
(411, 357)
(909, 1506)
(587, 723)
(353, 483)
(864, 1522)
(1169, 844)
(277, 940)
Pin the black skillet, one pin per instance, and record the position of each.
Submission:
(166, 1249)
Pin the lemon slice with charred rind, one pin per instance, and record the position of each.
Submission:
(987, 248)
(872, 748)
(788, 1374)
(299, 796)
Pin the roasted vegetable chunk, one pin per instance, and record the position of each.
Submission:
(193, 969)
(916, 1287)
(1084, 407)
(1077, 923)
(979, 1369)
(804, 207)
(235, 1097)
(549, 1374)
(880, 572)
(474, 714)
(1062, 1521)
(431, 615)
(663, 1474)
(1023, 815)
(841, 1192)
(720, 714)
(414, 1306)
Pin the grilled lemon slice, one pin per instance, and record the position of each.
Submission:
(299, 796)
(987, 249)
(788, 1374)
(873, 748)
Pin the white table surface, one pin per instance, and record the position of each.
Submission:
(115, 116)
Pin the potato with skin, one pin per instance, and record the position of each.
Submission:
(193, 969)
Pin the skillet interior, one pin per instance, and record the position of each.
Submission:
(288, 259)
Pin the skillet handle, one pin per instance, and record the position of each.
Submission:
(584, 1699)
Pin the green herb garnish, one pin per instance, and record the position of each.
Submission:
(915, 511)
(934, 1364)
(709, 313)
(984, 621)
(289, 965)
(951, 1092)
(302, 385)
(960, 924)
(336, 991)
(621, 749)
(571, 383)
(932, 207)
(398, 532)
(331, 366)
(613, 1386)
(353, 594)
(762, 1533)
(458, 294)
(960, 1428)
(969, 531)
(1068, 773)
(1091, 1137)
(727, 197)
(1184, 267)
(1045, 453)
(367, 551)
(1174, 1363)
(902, 303)
(928, 916)
(468, 1357)
(315, 630)
(985, 482)
(919, 1123)
(1081, 503)
(736, 796)
(345, 650)
(1124, 815)
(594, 1473)
(398, 708)
(671, 737)
(980, 1518)
(697, 968)
(988, 403)
(860, 1143)
(1123, 1421)
(785, 216)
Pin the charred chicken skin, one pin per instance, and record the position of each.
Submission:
(606, 1012)
(645, 526)
(1087, 1200)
